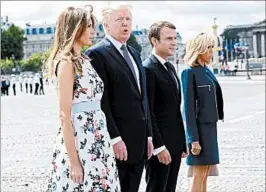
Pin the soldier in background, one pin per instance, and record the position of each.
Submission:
(26, 79)
(36, 81)
(30, 82)
(13, 83)
(41, 85)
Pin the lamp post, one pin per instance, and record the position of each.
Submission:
(247, 56)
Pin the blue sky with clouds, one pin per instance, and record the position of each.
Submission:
(188, 16)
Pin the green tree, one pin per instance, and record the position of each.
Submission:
(6, 66)
(33, 63)
(12, 42)
(132, 41)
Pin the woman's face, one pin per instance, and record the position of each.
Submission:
(207, 56)
(87, 36)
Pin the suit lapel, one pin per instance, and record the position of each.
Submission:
(165, 73)
(140, 68)
(121, 61)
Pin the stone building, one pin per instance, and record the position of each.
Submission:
(254, 35)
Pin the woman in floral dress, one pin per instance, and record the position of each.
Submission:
(83, 159)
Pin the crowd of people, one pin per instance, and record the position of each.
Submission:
(30, 84)
(120, 115)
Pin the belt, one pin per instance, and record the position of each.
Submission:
(86, 106)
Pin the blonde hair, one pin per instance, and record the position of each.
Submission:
(71, 24)
(197, 46)
(107, 11)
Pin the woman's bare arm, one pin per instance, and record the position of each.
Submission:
(65, 74)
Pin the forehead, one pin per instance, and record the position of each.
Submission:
(166, 31)
(122, 13)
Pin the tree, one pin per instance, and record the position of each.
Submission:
(12, 42)
(33, 63)
(132, 41)
(6, 66)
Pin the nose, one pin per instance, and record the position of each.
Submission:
(92, 31)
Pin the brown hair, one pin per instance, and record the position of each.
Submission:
(71, 24)
(156, 27)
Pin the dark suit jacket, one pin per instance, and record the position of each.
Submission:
(164, 99)
(203, 99)
(126, 109)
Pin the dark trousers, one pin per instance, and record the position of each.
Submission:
(130, 175)
(14, 89)
(21, 87)
(7, 90)
(30, 88)
(41, 90)
(160, 177)
(26, 85)
(3, 90)
(36, 88)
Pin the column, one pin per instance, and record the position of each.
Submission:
(255, 45)
(262, 44)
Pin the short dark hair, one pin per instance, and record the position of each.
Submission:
(156, 27)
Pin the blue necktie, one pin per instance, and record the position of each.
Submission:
(128, 60)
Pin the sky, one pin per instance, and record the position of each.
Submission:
(189, 17)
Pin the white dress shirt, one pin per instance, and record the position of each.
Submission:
(118, 46)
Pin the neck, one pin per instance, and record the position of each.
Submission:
(160, 54)
(119, 40)
(201, 62)
(77, 48)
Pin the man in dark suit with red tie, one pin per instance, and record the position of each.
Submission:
(164, 94)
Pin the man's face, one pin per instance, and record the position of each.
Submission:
(119, 25)
(166, 46)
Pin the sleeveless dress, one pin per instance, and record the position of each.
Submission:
(92, 141)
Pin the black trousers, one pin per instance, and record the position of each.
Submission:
(160, 177)
(41, 90)
(130, 175)
(30, 88)
(36, 88)
(26, 85)
(14, 89)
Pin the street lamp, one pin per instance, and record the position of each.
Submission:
(247, 56)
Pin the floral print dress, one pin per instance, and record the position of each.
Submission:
(92, 142)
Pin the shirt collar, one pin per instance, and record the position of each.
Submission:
(162, 61)
(116, 43)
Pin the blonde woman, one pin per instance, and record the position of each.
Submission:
(203, 107)
(83, 159)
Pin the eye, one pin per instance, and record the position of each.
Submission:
(89, 25)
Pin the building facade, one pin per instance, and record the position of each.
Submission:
(39, 38)
(254, 36)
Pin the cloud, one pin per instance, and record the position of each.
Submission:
(190, 17)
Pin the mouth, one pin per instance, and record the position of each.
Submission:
(125, 30)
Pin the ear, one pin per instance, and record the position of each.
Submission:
(154, 41)
(106, 26)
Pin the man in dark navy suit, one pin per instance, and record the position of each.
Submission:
(124, 100)
(164, 93)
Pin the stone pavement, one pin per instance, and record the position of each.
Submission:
(29, 125)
